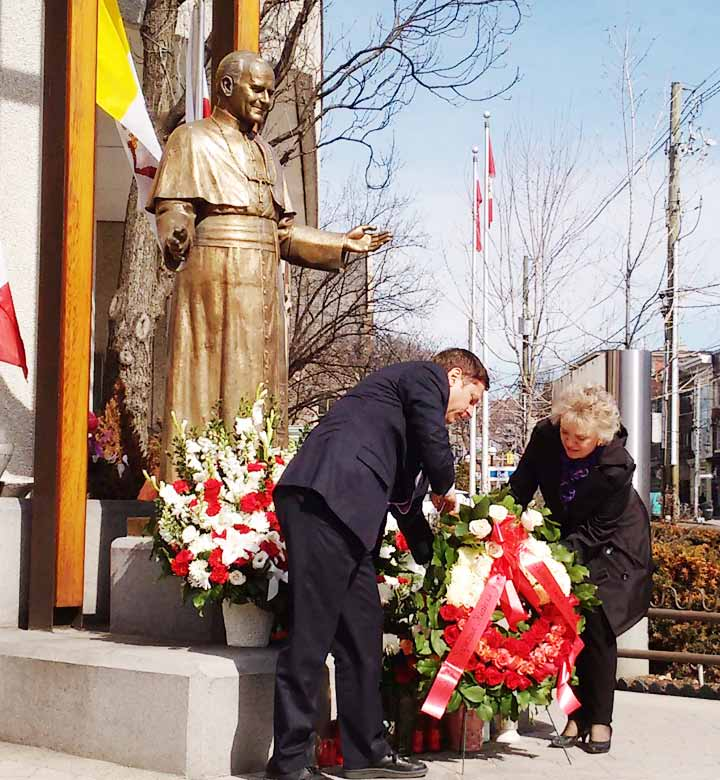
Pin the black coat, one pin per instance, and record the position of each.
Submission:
(367, 452)
(606, 523)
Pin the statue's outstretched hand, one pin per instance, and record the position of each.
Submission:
(176, 247)
(365, 238)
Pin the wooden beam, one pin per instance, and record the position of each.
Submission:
(57, 544)
(236, 26)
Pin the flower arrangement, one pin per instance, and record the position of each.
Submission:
(531, 592)
(216, 529)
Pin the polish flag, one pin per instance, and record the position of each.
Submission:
(197, 94)
(491, 176)
(12, 349)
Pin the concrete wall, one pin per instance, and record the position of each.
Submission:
(106, 521)
(20, 143)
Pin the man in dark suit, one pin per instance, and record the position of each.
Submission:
(378, 447)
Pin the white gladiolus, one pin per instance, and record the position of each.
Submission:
(386, 552)
(497, 512)
(258, 414)
(173, 499)
(531, 519)
(258, 522)
(480, 528)
(468, 577)
(237, 578)
(391, 644)
(244, 425)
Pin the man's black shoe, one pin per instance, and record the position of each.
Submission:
(390, 766)
(306, 773)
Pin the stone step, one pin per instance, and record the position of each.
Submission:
(200, 712)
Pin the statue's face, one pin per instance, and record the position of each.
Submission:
(248, 97)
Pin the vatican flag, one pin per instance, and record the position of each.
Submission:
(118, 88)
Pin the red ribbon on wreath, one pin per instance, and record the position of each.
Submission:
(506, 579)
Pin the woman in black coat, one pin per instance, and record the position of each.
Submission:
(577, 458)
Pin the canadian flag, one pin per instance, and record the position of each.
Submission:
(12, 349)
(197, 94)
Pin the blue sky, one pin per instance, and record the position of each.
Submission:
(564, 58)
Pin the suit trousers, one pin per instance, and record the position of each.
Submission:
(596, 670)
(334, 606)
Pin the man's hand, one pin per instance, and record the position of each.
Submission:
(365, 238)
(176, 247)
(445, 505)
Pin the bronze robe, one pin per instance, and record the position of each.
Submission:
(227, 331)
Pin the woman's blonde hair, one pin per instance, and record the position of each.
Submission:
(590, 408)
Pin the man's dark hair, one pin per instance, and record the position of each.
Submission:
(473, 370)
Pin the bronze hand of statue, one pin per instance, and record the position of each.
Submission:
(365, 238)
(176, 248)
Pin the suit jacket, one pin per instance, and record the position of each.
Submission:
(606, 523)
(367, 451)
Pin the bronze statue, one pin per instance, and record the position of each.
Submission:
(224, 221)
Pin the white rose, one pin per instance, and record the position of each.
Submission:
(199, 575)
(190, 534)
(494, 550)
(391, 644)
(480, 528)
(237, 578)
(497, 512)
(260, 559)
(531, 519)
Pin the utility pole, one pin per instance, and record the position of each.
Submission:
(525, 326)
(671, 454)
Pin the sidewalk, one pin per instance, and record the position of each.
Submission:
(656, 737)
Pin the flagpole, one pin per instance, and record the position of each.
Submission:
(485, 469)
(472, 329)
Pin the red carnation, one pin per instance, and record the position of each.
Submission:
(215, 558)
(193, 503)
(518, 647)
(494, 676)
(451, 634)
(242, 528)
(250, 503)
(181, 562)
(450, 613)
(380, 578)
(219, 574)
(241, 562)
(401, 542)
(272, 519)
(216, 535)
(213, 509)
(270, 548)
(404, 580)
(212, 490)
(181, 487)
(279, 460)
(255, 466)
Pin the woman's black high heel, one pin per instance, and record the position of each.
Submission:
(594, 747)
(563, 741)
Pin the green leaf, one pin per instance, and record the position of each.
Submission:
(577, 573)
(509, 503)
(422, 646)
(523, 699)
(481, 509)
(427, 667)
(562, 554)
(454, 703)
(461, 529)
(466, 514)
(473, 693)
(439, 645)
(450, 555)
(506, 705)
(485, 711)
